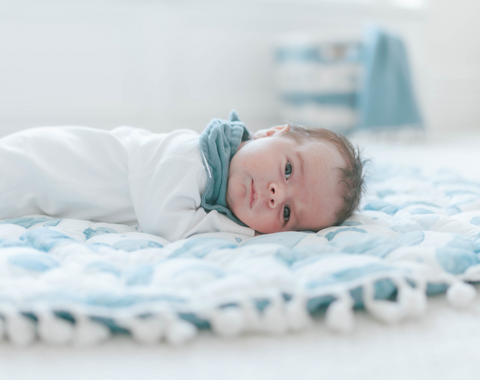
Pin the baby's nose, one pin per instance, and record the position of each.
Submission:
(275, 195)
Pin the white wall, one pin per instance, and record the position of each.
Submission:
(453, 42)
(165, 64)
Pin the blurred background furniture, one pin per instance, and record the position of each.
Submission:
(347, 84)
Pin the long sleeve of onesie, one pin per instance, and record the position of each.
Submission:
(119, 176)
(167, 178)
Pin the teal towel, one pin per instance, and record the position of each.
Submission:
(218, 144)
(387, 99)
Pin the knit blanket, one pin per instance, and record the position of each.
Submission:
(77, 282)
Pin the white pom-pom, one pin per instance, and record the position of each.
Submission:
(385, 311)
(147, 330)
(339, 315)
(298, 317)
(274, 320)
(413, 302)
(179, 331)
(54, 330)
(460, 294)
(20, 330)
(227, 322)
(88, 332)
(251, 317)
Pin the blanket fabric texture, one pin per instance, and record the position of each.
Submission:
(77, 282)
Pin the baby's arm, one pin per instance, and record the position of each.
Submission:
(167, 202)
(167, 178)
(214, 221)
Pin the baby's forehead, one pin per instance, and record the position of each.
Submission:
(308, 139)
(321, 148)
(320, 195)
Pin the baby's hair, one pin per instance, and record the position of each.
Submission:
(352, 176)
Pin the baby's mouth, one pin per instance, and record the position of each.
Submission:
(252, 195)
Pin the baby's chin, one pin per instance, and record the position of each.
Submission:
(249, 222)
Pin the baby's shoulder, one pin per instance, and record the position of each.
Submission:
(182, 143)
(148, 151)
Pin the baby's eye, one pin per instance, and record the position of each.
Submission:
(286, 213)
(288, 169)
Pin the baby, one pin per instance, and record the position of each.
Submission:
(178, 184)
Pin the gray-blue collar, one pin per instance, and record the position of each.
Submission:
(218, 144)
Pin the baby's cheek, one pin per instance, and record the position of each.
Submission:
(267, 225)
(232, 196)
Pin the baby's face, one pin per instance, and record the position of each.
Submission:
(277, 184)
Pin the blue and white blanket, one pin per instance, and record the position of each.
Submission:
(73, 281)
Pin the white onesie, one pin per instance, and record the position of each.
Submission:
(120, 176)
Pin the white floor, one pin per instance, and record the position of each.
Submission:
(444, 344)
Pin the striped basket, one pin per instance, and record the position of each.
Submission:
(318, 83)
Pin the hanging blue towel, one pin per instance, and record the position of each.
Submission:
(386, 99)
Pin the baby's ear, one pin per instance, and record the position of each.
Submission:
(271, 131)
